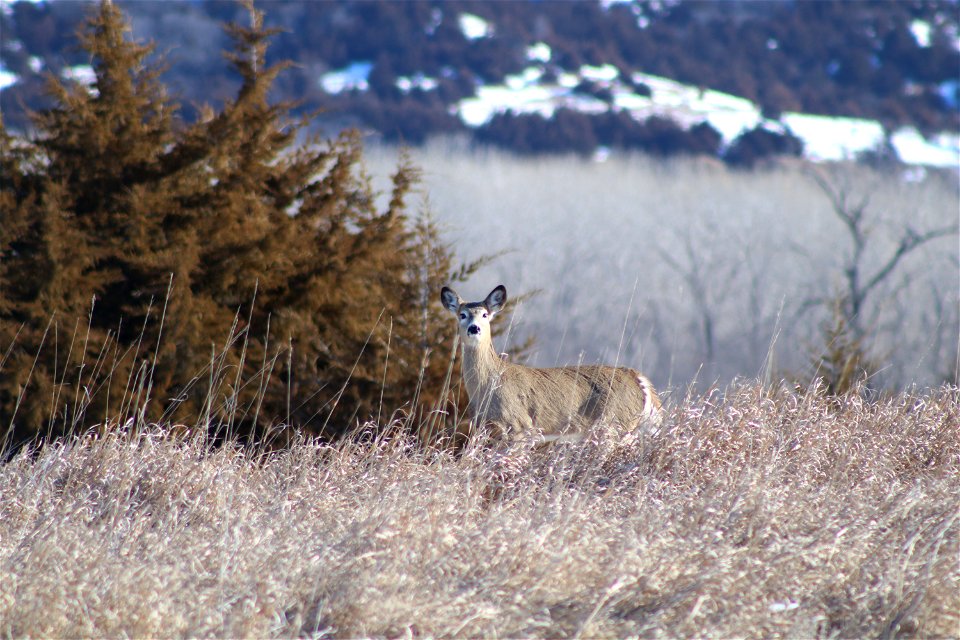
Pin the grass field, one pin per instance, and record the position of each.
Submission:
(757, 510)
(753, 513)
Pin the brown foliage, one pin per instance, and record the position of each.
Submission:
(227, 271)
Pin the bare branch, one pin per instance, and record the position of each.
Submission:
(838, 195)
(911, 241)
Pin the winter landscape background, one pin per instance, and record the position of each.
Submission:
(226, 383)
(660, 77)
(644, 250)
(690, 270)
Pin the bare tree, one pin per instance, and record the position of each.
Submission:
(861, 281)
(709, 277)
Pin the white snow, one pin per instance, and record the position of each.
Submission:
(474, 27)
(730, 115)
(7, 78)
(921, 32)
(525, 78)
(584, 104)
(420, 81)
(825, 138)
(82, 73)
(730, 124)
(568, 80)
(942, 150)
(353, 76)
(603, 73)
(539, 52)
(630, 101)
(491, 100)
(831, 139)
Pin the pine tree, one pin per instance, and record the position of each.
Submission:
(231, 272)
(844, 366)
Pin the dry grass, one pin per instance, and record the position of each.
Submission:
(755, 513)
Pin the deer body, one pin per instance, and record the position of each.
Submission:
(556, 403)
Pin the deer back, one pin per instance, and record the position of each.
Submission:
(565, 400)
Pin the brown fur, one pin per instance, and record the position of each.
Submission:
(556, 403)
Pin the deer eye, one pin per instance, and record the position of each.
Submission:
(484, 314)
(463, 315)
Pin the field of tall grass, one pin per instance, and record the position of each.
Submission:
(758, 509)
(756, 512)
(688, 269)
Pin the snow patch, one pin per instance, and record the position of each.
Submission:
(603, 73)
(354, 76)
(833, 139)
(527, 77)
(493, 100)
(568, 80)
(406, 84)
(921, 32)
(825, 139)
(539, 52)
(730, 115)
(81, 73)
(7, 78)
(942, 150)
(474, 27)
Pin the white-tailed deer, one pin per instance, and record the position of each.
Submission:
(558, 403)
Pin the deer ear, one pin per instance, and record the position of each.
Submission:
(496, 299)
(450, 299)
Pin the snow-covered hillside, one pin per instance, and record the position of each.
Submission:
(824, 138)
(738, 79)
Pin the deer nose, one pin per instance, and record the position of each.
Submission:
(473, 330)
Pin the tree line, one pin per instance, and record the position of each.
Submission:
(831, 57)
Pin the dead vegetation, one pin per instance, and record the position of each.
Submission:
(754, 513)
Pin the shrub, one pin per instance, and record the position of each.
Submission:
(760, 144)
(230, 271)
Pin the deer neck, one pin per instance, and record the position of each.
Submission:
(481, 368)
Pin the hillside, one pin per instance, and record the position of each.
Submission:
(736, 79)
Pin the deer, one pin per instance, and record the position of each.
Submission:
(549, 404)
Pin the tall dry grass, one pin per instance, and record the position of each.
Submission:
(753, 513)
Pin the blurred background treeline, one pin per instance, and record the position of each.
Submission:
(695, 271)
(186, 239)
(893, 62)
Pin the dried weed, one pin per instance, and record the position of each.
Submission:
(753, 513)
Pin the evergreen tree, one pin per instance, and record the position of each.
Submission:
(231, 272)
